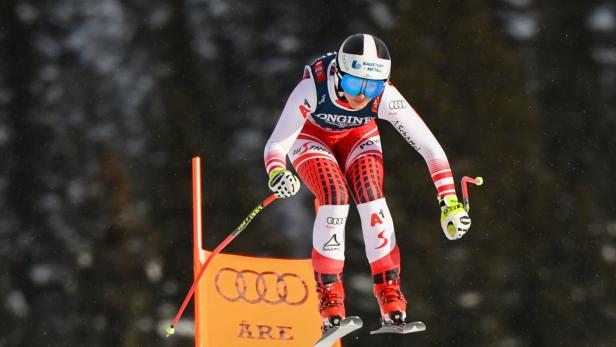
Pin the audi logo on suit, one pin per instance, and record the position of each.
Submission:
(397, 104)
(335, 220)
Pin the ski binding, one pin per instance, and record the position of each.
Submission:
(411, 327)
(347, 326)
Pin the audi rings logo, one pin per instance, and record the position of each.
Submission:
(397, 104)
(261, 287)
(335, 220)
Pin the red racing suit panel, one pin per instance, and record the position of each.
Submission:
(316, 156)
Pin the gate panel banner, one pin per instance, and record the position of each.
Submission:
(249, 301)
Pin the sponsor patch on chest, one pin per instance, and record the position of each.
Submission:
(342, 121)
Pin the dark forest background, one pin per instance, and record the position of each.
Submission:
(104, 102)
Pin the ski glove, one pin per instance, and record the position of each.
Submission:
(454, 218)
(283, 183)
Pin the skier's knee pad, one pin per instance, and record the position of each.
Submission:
(379, 235)
(328, 238)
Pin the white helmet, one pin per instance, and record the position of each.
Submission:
(364, 56)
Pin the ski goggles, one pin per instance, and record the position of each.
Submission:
(357, 85)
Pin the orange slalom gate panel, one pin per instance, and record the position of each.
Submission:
(250, 301)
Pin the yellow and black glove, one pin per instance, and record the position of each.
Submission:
(283, 183)
(454, 218)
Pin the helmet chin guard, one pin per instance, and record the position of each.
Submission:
(364, 56)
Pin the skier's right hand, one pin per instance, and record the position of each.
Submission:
(283, 183)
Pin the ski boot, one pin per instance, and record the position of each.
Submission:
(331, 303)
(393, 305)
(390, 298)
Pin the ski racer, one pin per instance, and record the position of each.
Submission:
(328, 130)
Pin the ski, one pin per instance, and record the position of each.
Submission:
(347, 326)
(411, 327)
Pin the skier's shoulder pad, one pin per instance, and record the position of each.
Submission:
(317, 69)
(327, 56)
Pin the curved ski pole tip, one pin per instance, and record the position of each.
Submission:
(170, 330)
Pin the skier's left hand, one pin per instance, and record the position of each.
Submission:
(454, 218)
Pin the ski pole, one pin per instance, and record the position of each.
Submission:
(171, 328)
(476, 181)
